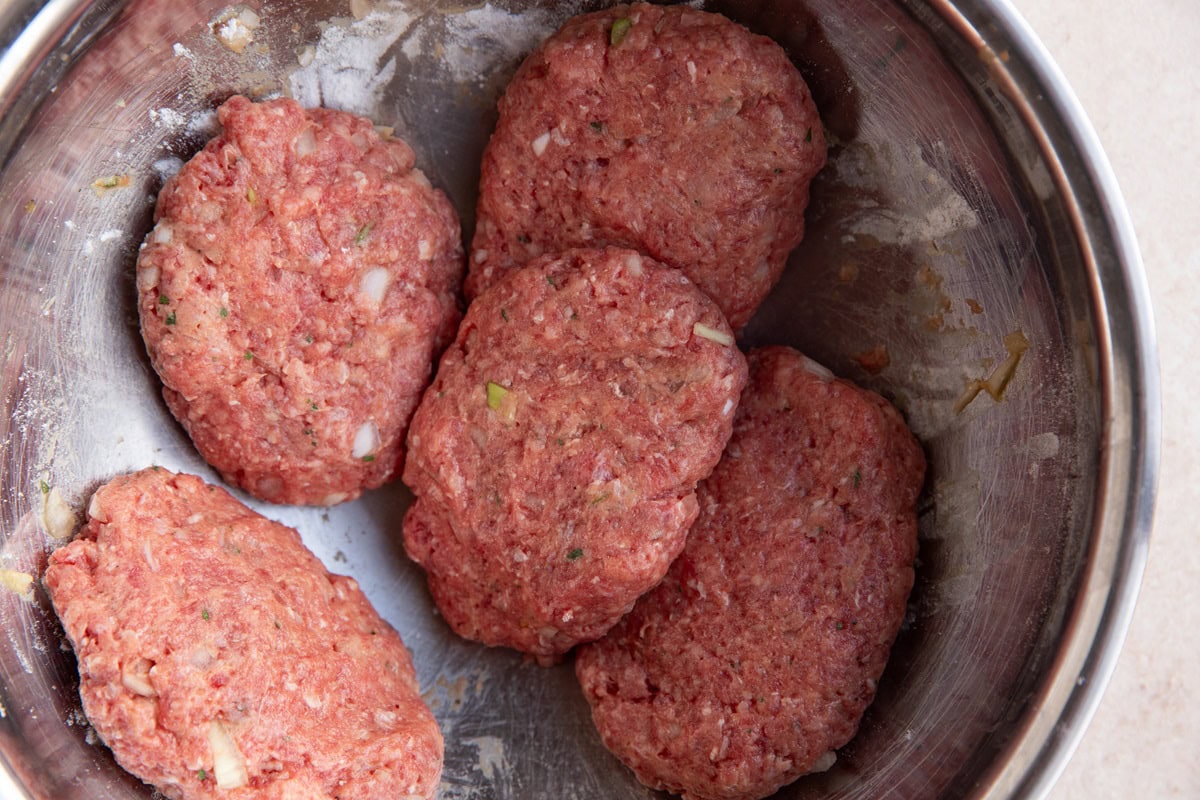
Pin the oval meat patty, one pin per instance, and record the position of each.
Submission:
(756, 656)
(667, 130)
(555, 457)
(215, 652)
(300, 281)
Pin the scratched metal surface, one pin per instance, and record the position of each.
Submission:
(936, 230)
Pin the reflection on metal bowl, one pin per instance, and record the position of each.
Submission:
(965, 202)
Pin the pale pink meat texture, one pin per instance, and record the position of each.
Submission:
(188, 610)
(555, 456)
(300, 281)
(756, 656)
(682, 135)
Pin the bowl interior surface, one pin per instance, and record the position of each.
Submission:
(936, 234)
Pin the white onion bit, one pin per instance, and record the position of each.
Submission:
(147, 278)
(366, 440)
(229, 767)
(57, 516)
(17, 581)
(825, 762)
(95, 510)
(633, 265)
(540, 143)
(705, 332)
(819, 370)
(306, 142)
(374, 284)
(163, 233)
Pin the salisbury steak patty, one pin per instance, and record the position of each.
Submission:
(756, 656)
(555, 456)
(299, 283)
(668, 130)
(216, 652)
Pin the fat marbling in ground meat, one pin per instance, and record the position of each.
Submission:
(218, 658)
(668, 130)
(756, 656)
(555, 456)
(299, 282)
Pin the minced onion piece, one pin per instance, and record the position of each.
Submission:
(820, 370)
(229, 766)
(306, 142)
(495, 395)
(57, 516)
(705, 332)
(17, 581)
(137, 680)
(540, 143)
(374, 284)
(366, 440)
(163, 234)
(95, 510)
(825, 762)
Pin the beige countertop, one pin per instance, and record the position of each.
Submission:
(1135, 68)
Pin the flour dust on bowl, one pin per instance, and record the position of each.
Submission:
(966, 256)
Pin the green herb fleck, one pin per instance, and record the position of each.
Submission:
(495, 395)
(778, 170)
(308, 339)
(224, 312)
(808, 135)
(368, 458)
(363, 233)
(110, 182)
(45, 487)
(597, 126)
(560, 441)
(249, 356)
(504, 315)
(575, 554)
(550, 281)
(201, 775)
(839, 626)
(163, 300)
(620, 29)
(204, 615)
(857, 478)
(523, 238)
(600, 499)
(171, 318)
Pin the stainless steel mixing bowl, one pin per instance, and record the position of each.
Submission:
(965, 200)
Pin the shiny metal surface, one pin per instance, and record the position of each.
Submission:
(966, 199)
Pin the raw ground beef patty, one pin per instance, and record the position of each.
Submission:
(215, 650)
(555, 457)
(756, 656)
(667, 130)
(300, 281)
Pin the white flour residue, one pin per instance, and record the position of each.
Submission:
(492, 760)
(480, 40)
(168, 117)
(934, 209)
(348, 70)
(166, 167)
